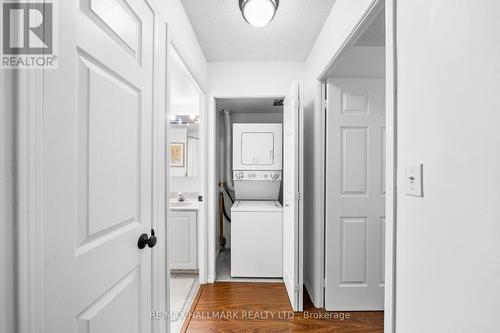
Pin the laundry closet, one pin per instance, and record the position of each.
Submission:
(250, 172)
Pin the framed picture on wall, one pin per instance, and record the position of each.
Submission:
(177, 154)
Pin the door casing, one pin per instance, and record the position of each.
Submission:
(389, 7)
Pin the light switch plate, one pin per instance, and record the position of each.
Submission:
(414, 181)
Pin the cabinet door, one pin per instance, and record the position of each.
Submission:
(183, 240)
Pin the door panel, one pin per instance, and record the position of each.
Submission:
(183, 244)
(354, 145)
(97, 168)
(116, 309)
(355, 195)
(293, 204)
(108, 151)
(353, 240)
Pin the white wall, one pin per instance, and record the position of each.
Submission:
(448, 243)
(361, 62)
(182, 34)
(7, 225)
(185, 185)
(239, 79)
(340, 23)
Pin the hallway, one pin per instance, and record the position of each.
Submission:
(264, 307)
(249, 166)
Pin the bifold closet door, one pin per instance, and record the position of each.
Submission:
(355, 195)
(293, 166)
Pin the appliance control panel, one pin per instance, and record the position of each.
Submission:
(257, 175)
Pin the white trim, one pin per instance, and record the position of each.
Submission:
(319, 300)
(365, 20)
(212, 178)
(159, 264)
(168, 229)
(391, 147)
(391, 173)
(173, 45)
(29, 196)
(300, 203)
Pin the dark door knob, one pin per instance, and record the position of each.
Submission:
(144, 240)
(152, 240)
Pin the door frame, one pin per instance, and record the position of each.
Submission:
(212, 177)
(173, 44)
(376, 7)
(29, 96)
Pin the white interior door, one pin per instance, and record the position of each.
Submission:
(97, 169)
(355, 195)
(292, 198)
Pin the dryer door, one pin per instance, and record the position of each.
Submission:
(257, 146)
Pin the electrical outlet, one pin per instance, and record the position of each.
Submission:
(414, 181)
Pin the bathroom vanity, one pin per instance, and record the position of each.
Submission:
(183, 245)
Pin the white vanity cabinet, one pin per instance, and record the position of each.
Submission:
(183, 240)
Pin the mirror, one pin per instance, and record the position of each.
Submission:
(184, 150)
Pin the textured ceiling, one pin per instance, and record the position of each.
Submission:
(225, 36)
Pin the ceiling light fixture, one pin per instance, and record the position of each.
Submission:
(258, 12)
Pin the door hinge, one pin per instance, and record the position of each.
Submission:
(298, 196)
(296, 289)
(325, 104)
(324, 283)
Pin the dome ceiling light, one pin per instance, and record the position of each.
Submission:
(258, 12)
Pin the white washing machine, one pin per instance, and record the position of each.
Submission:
(257, 239)
(257, 216)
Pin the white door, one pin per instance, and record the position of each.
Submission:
(96, 169)
(355, 195)
(293, 203)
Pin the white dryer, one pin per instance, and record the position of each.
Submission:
(257, 239)
(257, 147)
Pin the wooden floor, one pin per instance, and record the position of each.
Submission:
(264, 307)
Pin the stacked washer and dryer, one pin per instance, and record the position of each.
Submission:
(257, 215)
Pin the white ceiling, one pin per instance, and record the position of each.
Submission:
(366, 58)
(225, 36)
(374, 35)
(249, 105)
